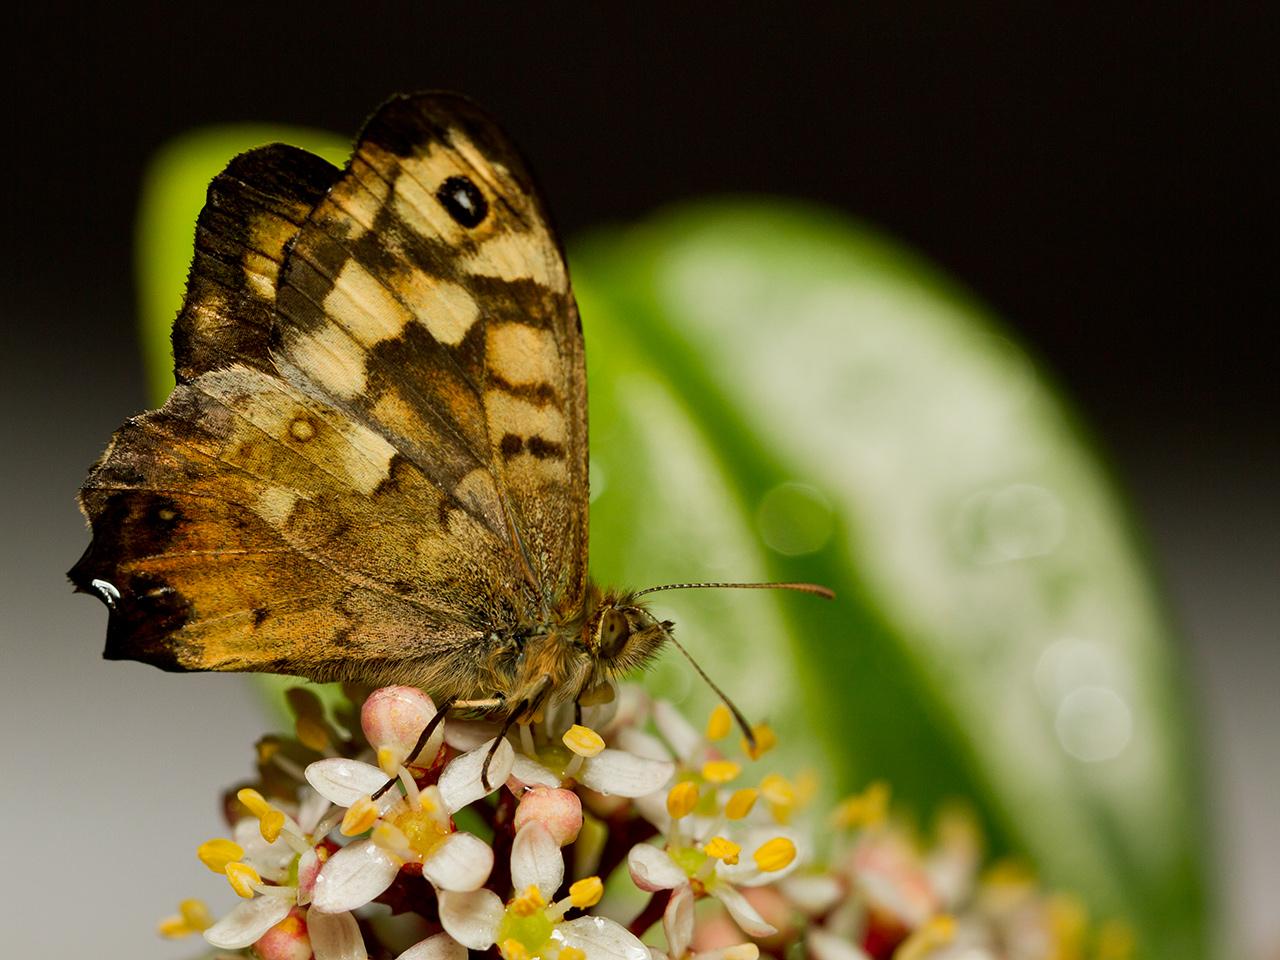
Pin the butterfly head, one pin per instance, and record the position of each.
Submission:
(624, 635)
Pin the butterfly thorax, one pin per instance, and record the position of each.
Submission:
(567, 654)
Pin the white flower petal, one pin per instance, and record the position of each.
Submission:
(343, 781)
(461, 862)
(684, 740)
(335, 936)
(531, 773)
(469, 734)
(743, 913)
(271, 860)
(827, 946)
(654, 809)
(471, 918)
(598, 716)
(440, 947)
(642, 744)
(460, 782)
(814, 893)
(313, 807)
(536, 860)
(625, 775)
(353, 876)
(600, 939)
(677, 920)
(308, 870)
(247, 922)
(651, 868)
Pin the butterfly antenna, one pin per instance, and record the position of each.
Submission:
(817, 589)
(733, 707)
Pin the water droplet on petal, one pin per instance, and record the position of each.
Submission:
(1013, 522)
(795, 519)
(1094, 724)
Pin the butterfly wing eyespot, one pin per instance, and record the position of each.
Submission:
(375, 458)
(463, 200)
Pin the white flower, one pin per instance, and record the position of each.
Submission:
(677, 923)
(291, 860)
(580, 754)
(415, 827)
(532, 924)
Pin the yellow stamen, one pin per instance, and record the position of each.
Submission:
(513, 949)
(196, 914)
(255, 801)
(722, 848)
(681, 799)
(775, 854)
(1116, 941)
(173, 928)
(360, 816)
(242, 877)
(1009, 873)
(388, 761)
(313, 733)
(586, 892)
(778, 789)
(429, 799)
(583, 741)
(766, 740)
(806, 787)
(866, 809)
(572, 953)
(391, 839)
(1068, 925)
(937, 932)
(271, 824)
(742, 951)
(600, 693)
(217, 853)
(529, 902)
(720, 771)
(719, 723)
(741, 802)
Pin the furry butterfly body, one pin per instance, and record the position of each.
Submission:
(373, 466)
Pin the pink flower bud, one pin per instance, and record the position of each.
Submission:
(394, 717)
(560, 811)
(287, 940)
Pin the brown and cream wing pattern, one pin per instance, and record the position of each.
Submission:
(376, 453)
(427, 298)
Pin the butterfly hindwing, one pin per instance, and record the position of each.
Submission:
(252, 210)
(375, 459)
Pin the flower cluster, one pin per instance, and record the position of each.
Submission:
(615, 831)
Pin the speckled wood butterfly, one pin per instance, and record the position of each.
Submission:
(374, 464)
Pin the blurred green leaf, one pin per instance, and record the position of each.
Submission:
(778, 393)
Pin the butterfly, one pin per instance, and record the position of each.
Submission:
(373, 465)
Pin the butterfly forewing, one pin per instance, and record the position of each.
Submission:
(427, 297)
(376, 456)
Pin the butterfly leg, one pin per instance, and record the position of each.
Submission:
(432, 726)
(515, 715)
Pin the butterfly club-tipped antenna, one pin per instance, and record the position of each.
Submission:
(816, 589)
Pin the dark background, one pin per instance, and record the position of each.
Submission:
(1106, 182)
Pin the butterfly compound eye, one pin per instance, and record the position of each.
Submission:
(614, 631)
(463, 201)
